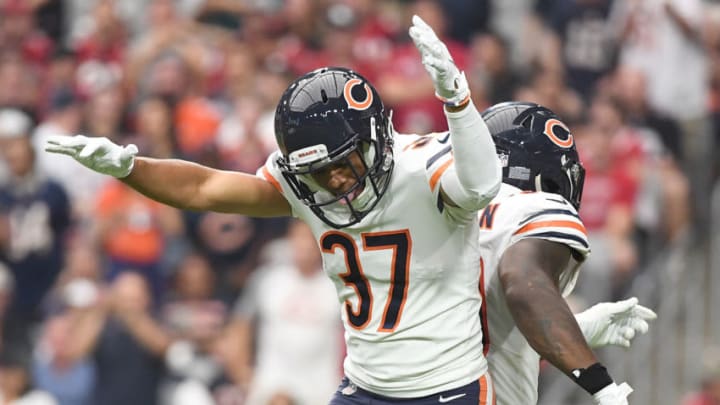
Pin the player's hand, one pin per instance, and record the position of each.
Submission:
(450, 84)
(613, 394)
(614, 323)
(99, 154)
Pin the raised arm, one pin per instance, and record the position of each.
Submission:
(178, 183)
(529, 272)
(475, 175)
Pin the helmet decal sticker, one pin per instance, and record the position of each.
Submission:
(550, 132)
(519, 172)
(352, 102)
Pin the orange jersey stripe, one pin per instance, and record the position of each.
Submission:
(551, 224)
(438, 173)
(487, 394)
(269, 177)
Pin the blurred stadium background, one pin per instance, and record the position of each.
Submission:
(109, 298)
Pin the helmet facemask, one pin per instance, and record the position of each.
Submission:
(334, 116)
(352, 205)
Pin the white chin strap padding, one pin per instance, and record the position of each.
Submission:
(570, 182)
(538, 183)
(370, 154)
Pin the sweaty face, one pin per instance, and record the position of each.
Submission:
(340, 177)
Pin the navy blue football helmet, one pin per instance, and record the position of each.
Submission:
(322, 119)
(536, 149)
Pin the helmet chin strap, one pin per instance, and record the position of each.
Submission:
(364, 198)
(387, 163)
(370, 153)
(538, 183)
(570, 182)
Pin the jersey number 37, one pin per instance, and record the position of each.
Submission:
(401, 244)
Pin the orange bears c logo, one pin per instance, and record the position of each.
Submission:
(354, 103)
(550, 126)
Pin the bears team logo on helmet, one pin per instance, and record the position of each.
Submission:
(354, 103)
(550, 126)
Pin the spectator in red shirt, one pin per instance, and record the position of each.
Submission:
(612, 154)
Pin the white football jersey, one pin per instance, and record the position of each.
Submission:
(406, 278)
(512, 216)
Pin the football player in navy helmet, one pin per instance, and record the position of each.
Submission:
(536, 149)
(393, 217)
(334, 118)
(532, 243)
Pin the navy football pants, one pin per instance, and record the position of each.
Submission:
(478, 392)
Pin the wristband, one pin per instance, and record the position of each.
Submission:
(454, 104)
(593, 378)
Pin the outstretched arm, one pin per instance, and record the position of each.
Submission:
(529, 271)
(187, 185)
(178, 183)
(475, 175)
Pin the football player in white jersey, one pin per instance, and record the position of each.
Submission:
(394, 221)
(532, 242)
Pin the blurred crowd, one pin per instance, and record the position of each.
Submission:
(107, 297)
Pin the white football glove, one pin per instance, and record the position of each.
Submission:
(99, 154)
(614, 323)
(450, 84)
(613, 394)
